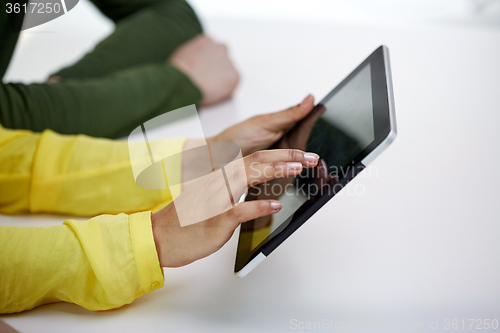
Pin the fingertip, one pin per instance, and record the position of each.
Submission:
(275, 205)
(311, 158)
(308, 100)
(311, 164)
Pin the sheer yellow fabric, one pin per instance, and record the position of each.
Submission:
(101, 263)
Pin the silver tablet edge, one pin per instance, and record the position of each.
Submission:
(251, 265)
(366, 161)
(392, 115)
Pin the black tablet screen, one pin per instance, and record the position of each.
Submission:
(338, 129)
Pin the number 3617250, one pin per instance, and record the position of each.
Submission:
(472, 324)
(33, 8)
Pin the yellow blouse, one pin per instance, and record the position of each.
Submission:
(101, 263)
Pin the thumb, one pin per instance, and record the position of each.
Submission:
(282, 120)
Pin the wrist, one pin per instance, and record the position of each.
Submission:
(155, 225)
(215, 138)
(162, 223)
(221, 137)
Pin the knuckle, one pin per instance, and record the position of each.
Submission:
(274, 167)
(239, 173)
(258, 156)
(203, 40)
(262, 206)
(235, 214)
(293, 154)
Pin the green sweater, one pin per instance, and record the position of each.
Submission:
(123, 82)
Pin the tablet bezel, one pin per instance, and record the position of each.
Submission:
(385, 132)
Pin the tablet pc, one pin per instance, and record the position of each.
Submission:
(348, 129)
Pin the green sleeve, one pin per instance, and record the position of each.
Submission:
(110, 106)
(146, 32)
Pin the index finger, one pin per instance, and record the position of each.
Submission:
(282, 155)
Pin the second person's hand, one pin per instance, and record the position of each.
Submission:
(208, 65)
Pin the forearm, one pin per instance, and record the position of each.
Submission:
(111, 106)
(75, 175)
(146, 32)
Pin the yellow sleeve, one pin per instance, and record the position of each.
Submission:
(100, 264)
(73, 174)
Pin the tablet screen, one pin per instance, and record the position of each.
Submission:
(341, 129)
(337, 130)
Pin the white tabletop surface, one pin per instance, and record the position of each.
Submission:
(413, 242)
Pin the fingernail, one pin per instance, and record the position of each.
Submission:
(311, 157)
(276, 205)
(294, 165)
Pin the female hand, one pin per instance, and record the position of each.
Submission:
(261, 132)
(178, 246)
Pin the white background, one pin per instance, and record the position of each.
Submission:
(422, 241)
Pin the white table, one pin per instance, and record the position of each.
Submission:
(420, 244)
